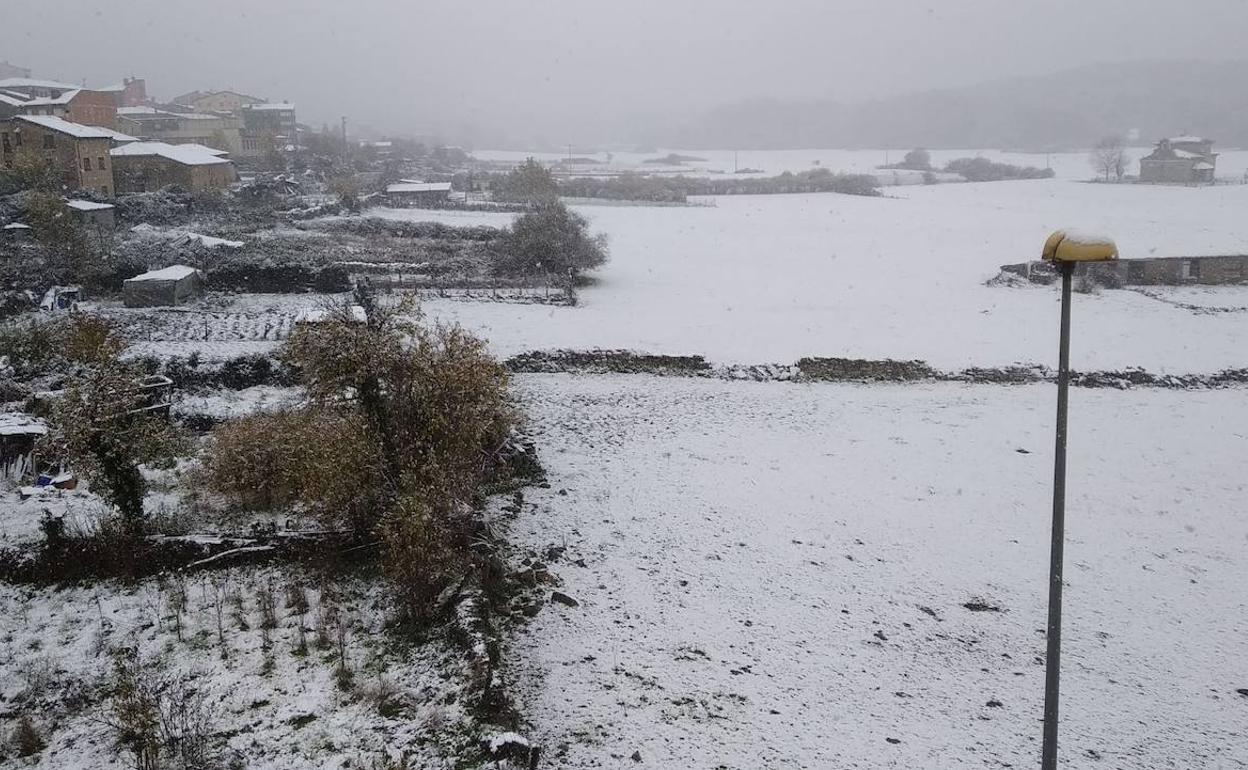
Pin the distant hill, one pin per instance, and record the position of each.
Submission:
(1065, 110)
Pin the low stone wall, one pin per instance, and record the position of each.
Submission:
(1219, 270)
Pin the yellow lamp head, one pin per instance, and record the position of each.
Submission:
(1073, 246)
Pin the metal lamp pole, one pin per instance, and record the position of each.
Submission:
(1065, 250)
(1052, 658)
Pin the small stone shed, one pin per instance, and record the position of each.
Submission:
(18, 436)
(170, 286)
(411, 192)
(99, 216)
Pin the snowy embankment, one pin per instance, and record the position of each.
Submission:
(778, 575)
(770, 279)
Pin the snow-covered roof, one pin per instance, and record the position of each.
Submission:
(317, 315)
(35, 83)
(1187, 155)
(211, 242)
(16, 226)
(271, 106)
(1203, 166)
(153, 113)
(76, 130)
(206, 149)
(18, 424)
(141, 110)
(171, 273)
(12, 101)
(1185, 139)
(81, 205)
(186, 154)
(118, 136)
(406, 186)
(21, 424)
(45, 101)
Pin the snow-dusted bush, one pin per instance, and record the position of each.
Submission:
(281, 460)
(984, 170)
(552, 239)
(418, 418)
(169, 206)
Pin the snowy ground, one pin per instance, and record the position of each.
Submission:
(774, 575)
(773, 278)
(276, 703)
(1066, 165)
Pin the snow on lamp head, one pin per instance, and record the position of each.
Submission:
(1075, 246)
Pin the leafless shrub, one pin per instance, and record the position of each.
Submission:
(39, 676)
(177, 601)
(26, 739)
(387, 762)
(432, 717)
(239, 609)
(218, 599)
(266, 603)
(158, 719)
(343, 675)
(296, 599)
(383, 696)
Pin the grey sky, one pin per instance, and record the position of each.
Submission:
(585, 70)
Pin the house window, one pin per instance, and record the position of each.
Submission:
(86, 164)
(100, 165)
(17, 138)
(49, 142)
(7, 146)
(1191, 269)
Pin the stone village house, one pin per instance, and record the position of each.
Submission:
(148, 166)
(1180, 160)
(80, 154)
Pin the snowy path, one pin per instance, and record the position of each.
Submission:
(774, 575)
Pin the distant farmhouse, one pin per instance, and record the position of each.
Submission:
(217, 101)
(1180, 160)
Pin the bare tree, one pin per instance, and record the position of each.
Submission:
(1109, 158)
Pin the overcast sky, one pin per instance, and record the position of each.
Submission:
(583, 70)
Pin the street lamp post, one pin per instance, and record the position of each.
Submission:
(1065, 249)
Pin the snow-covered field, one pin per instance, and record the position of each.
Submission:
(775, 575)
(759, 279)
(1066, 165)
